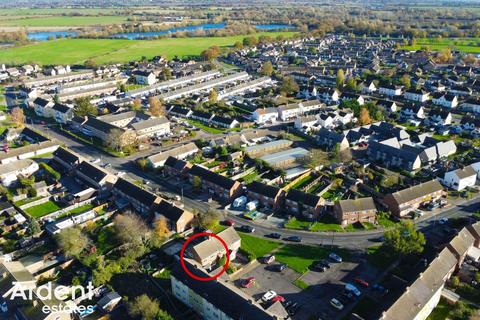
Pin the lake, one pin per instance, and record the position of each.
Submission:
(206, 26)
(44, 35)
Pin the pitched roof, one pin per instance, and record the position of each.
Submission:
(212, 177)
(61, 108)
(355, 205)
(418, 191)
(169, 210)
(309, 199)
(91, 171)
(66, 155)
(134, 191)
(263, 189)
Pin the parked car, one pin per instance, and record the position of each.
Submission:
(248, 282)
(287, 303)
(278, 267)
(319, 267)
(278, 298)
(294, 239)
(274, 235)
(336, 304)
(269, 295)
(362, 282)
(268, 258)
(443, 221)
(379, 288)
(351, 288)
(229, 222)
(248, 229)
(335, 257)
(294, 309)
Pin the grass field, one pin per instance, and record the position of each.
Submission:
(468, 45)
(63, 21)
(74, 51)
(42, 209)
(257, 246)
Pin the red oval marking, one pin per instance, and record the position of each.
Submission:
(203, 234)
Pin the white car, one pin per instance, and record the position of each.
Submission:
(336, 304)
(269, 295)
(120, 173)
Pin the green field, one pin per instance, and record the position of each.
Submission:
(74, 51)
(468, 45)
(63, 21)
(257, 246)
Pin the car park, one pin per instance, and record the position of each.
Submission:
(248, 282)
(335, 257)
(336, 304)
(269, 295)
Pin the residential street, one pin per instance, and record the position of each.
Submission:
(352, 240)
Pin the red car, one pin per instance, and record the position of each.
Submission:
(247, 283)
(229, 222)
(278, 298)
(361, 282)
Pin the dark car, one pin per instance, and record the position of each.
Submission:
(274, 235)
(246, 228)
(278, 267)
(325, 263)
(319, 267)
(294, 309)
(287, 303)
(294, 239)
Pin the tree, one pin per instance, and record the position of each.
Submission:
(404, 239)
(161, 228)
(289, 86)
(156, 108)
(90, 63)
(250, 41)
(143, 307)
(351, 84)
(455, 281)
(444, 56)
(267, 69)
(131, 229)
(142, 163)
(364, 117)
(196, 183)
(340, 78)
(316, 159)
(211, 53)
(17, 116)
(206, 219)
(137, 104)
(166, 73)
(72, 241)
(33, 227)
(405, 81)
(461, 311)
(117, 139)
(83, 107)
(238, 45)
(213, 96)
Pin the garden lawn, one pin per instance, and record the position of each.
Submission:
(203, 127)
(257, 246)
(441, 311)
(42, 209)
(103, 51)
(299, 257)
(81, 209)
(20, 203)
(380, 258)
(326, 223)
